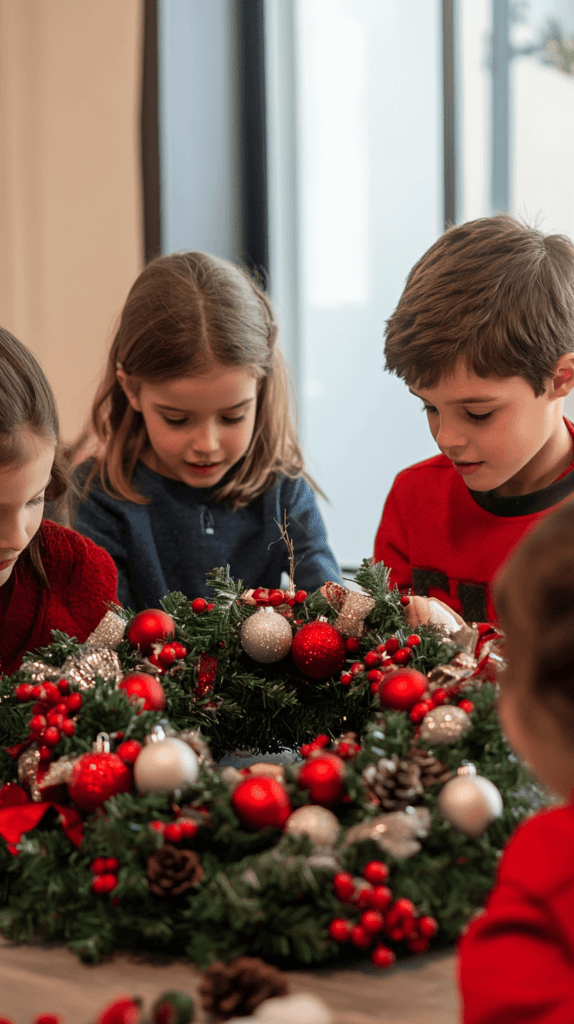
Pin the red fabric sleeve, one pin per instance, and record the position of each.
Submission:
(391, 544)
(83, 580)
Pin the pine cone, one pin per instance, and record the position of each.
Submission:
(171, 871)
(236, 989)
(431, 769)
(393, 783)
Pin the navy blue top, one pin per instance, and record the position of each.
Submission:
(184, 533)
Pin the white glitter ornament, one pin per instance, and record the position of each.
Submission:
(445, 724)
(469, 802)
(302, 1008)
(165, 764)
(320, 824)
(266, 636)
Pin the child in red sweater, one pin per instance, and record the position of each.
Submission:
(50, 577)
(516, 961)
(483, 334)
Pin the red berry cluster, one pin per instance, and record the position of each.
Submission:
(345, 748)
(319, 743)
(173, 651)
(440, 695)
(199, 605)
(380, 660)
(105, 870)
(396, 921)
(265, 598)
(177, 831)
(52, 713)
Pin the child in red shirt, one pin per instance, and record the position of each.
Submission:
(516, 961)
(483, 334)
(50, 577)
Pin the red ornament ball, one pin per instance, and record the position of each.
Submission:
(141, 685)
(261, 802)
(150, 627)
(324, 778)
(96, 777)
(318, 650)
(402, 689)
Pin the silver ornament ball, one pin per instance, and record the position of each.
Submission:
(266, 636)
(445, 724)
(320, 824)
(167, 764)
(469, 802)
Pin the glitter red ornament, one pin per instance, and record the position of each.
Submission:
(261, 802)
(323, 777)
(96, 777)
(139, 684)
(150, 627)
(318, 650)
(402, 689)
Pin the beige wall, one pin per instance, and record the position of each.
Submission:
(70, 224)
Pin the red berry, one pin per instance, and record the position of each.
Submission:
(344, 886)
(37, 692)
(41, 708)
(74, 702)
(158, 826)
(418, 945)
(372, 921)
(374, 688)
(405, 600)
(392, 645)
(396, 934)
(404, 907)
(360, 937)
(55, 718)
(61, 708)
(199, 605)
(346, 679)
(305, 749)
(466, 705)
(172, 833)
(121, 1011)
(154, 659)
(322, 740)
(129, 750)
(210, 607)
(381, 648)
(24, 692)
(45, 753)
(356, 667)
(180, 650)
(37, 724)
(47, 1018)
(276, 597)
(376, 872)
(439, 696)
(353, 645)
(363, 898)
(52, 692)
(381, 897)
(372, 659)
(393, 918)
(375, 675)
(51, 736)
(112, 864)
(104, 883)
(418, 711)
(63, 686)
(382, 956)
(167, 656)
(340, 929)
(188, 828)
(98, 865)
(301, 596)
(402, 656)
(413, 640)
(68, 727)
(427, 927)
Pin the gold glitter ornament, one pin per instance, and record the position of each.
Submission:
(445, 724)
(60, 771)
(469, 802)
(82, 668)
(266, 636)
(397, 833)
(320, 824)
(28, 764)
(109, 632)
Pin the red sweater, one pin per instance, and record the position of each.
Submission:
(83, 578)
(516, 961)
(442, 540)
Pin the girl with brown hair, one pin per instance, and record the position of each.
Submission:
(50, 577)
(197, 459)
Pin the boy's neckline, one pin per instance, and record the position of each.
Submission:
(526, 504)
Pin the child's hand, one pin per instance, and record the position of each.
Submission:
(424, 611)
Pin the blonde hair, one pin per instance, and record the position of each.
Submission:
(186, 313)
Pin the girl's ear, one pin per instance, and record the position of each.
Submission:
(127, 387)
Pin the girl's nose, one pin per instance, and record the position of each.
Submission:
(205, 438)
(13, 536)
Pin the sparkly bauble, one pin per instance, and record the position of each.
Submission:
(397, 833)
(302, 1008)
(266, 636)
(402, 689)
(321, 825)
(445, 724)
(150, 627)
(324, 778)
(469, 802)
(318, 650)
(96, 777)
(140, 685)
(109, 632)
(167, 764)
(260, 802)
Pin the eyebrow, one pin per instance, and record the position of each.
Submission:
(461, 401)
(238, 405)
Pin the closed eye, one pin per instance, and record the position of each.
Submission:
(428, 408)
(475, 416)
(37, 501)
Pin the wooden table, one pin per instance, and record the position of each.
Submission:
(41, 978)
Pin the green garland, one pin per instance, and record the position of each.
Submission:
(261, 894)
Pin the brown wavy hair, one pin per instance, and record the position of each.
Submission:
(28, 407)
(186, 313)
(494, 293)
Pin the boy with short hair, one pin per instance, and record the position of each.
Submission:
(483, 334)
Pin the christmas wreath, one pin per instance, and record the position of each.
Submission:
(120, 829)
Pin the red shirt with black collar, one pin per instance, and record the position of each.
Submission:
(442, 540)
(83, 579)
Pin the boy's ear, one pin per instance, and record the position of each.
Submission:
(563, 379)
(127, 387)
